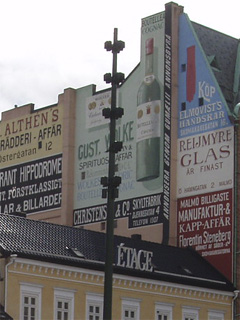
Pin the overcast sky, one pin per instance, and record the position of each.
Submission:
(50, 45)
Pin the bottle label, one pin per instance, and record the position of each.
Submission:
(148, 120)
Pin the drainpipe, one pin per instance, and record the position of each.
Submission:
(236, 292)
(235, 248)
(12, 260)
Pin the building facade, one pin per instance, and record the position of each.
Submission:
(61, 277)
(178, 165)
(36, 160)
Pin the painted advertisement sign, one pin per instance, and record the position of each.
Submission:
(134, 258)
(31, 162)
(141, 161)
(205, 157)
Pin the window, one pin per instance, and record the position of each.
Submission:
(30, 305)
(163, 311)
(215, 315)
(62, 310)
(130, 309)
(189, 314)
(63, 304)
(94, 306)
(129, 313)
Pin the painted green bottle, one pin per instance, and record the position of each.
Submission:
(148, 120)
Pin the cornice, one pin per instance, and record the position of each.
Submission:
(46, 270)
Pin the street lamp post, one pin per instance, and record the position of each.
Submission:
(111, 183)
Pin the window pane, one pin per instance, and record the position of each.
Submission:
(25, 311)
(32, 312)
(59, 315)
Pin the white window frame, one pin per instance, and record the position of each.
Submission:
(164, 310)
(190, 313)
(95, 300)
(215, 315)
(131, 304)
(32, 291)
(65, 295)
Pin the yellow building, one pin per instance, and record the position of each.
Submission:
(50, 271)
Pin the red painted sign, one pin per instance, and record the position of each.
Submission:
(205, 223)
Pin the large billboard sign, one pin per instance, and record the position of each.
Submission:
(31, 162)
(141, 161)
(205, 157)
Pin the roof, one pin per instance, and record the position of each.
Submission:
(84, 248)
(4, 315)
(221, 51)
